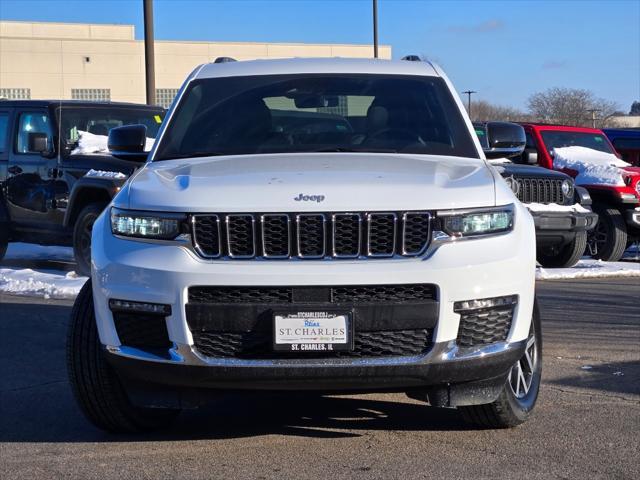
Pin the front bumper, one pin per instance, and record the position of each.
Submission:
(163, 273)
(561, 227)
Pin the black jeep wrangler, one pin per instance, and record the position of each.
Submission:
(561, 231)
(56, 174)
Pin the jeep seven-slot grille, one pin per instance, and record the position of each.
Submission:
(540, 190)
(311, 235)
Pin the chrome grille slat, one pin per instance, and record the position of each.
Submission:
(306, 236)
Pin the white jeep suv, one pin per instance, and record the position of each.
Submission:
(309, 224)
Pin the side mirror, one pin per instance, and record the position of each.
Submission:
(530, 156)
(504, 139)
(38, 142)
(128, 142)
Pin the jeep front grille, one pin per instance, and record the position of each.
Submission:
(540, 190)
(311, 235)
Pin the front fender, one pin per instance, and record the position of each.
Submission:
(92, 187)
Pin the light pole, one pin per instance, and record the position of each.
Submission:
(468, 93)
(375, 28)
(593, 115)
(149, 60)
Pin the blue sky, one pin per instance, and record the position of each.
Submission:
(505, 50)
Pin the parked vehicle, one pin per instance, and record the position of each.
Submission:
(56, 174)
(561, 211)
(616, 197)
(626, 141)
(375, 251)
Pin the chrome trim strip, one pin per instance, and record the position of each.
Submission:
(253, 234)
(395, 234)
(264, 250)
(182, 354)
(196, 246)
(426, 240)
(333, 234)
(324, 235)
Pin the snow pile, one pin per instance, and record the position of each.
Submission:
(593, 166)
(105, 174)
(88, 143)
(40, 283)
(554, 207)
(588, 268)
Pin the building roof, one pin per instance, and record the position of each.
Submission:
(316, 65)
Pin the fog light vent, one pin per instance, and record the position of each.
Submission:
(485, 321)
(116, 305)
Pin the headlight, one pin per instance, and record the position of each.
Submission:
(638, 187)
(152, 225)
(479, 222)
(567, 188)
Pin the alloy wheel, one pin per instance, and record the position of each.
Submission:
(522, 373)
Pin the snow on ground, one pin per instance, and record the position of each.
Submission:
(52, 283)
(590, 268)
(89, 143)
(593, 166)
(38, 282)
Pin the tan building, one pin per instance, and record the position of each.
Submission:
(105, 62)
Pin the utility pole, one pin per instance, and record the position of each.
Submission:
(468, 93)
(593, 115)
(149, 58)
(375, 28)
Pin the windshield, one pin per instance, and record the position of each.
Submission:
(86, 129)
(311, 113)
(558, 139)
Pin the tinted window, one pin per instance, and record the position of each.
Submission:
(4, 126)
(32, 122)
(558, 139)
(627, 143)
(99, 120)
(306, 113)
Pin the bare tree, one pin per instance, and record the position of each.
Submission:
(483, 111)
(570, 106)
(635, 108)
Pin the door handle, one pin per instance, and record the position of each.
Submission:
(14, 170)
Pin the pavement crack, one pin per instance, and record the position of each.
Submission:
(591, 394)
(28, 387)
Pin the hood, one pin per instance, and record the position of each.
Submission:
(311, 182)
(531, 171)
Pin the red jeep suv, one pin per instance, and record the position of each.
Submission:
(615, 200)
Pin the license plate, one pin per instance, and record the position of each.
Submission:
(312, 331)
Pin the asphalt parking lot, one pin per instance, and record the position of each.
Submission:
(587, 424)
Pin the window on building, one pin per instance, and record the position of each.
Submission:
(15, 93)
(4, 124)
(94, 94)
(164, 96)
(33, 122)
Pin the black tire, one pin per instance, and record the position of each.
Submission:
(3, 249)
(510, 410)
(609, 237)
(95, 385)
(82, 236)
(563, 257)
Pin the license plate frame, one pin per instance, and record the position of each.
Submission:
(319, 315)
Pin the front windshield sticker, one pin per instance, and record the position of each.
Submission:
(158, 118)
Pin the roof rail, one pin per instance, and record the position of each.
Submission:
(224, 60)
(412, 58)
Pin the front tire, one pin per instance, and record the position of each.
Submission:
(518, 398)
(94, 383)
(609, 238)
(566, 256)
(82, 236)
